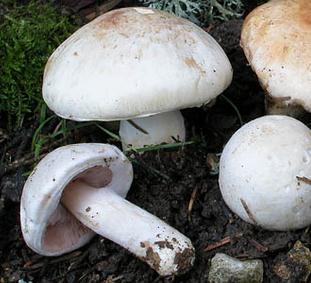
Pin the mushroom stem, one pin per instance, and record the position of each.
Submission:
(166, 127)
(283, 106)
(164, 248)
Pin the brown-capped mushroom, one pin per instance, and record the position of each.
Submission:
(276, 38)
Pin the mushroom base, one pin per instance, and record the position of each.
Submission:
(283, 106)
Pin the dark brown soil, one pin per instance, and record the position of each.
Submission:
(163, 185)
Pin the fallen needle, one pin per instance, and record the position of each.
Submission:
(222, 242)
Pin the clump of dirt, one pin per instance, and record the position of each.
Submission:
(177, 186)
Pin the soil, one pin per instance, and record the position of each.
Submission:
(164, 183)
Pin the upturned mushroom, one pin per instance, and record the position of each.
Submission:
(265, 173)
(77, 191)
(276, 38)
(133, 63)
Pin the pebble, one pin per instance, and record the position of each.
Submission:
(226, 269)
(295, 266)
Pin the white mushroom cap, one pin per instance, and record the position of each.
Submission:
(48, 228)
(276, 38)
(134, 62)
(264, 172)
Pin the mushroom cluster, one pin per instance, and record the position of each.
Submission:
(265, 172)
(134, 63)
(141, 66)
(77, 191)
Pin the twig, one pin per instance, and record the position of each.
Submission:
(279, 99)
(249, 212)
(86, 273)
(111, 278)
(139, 128)
(218, 244)
(66, 257)
(306, 231)
(191, 202)
(243, 256)
(222, 242)
(259, 247)
(78, 261)
(31, 265)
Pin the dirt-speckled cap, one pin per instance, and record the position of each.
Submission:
(134, 62)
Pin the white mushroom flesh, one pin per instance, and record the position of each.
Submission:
(166, 127)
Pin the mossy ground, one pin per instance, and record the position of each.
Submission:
(28, 35)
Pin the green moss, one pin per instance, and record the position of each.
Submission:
(200, 12)
(28, 35)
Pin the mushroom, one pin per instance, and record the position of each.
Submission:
(265, 173)
(133, 63)
(79, 189)
(276, 38)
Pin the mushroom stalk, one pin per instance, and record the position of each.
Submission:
(283, 106)
(164, 248)
(167, 127)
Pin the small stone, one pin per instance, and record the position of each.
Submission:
(295, 266)
(226, 269)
